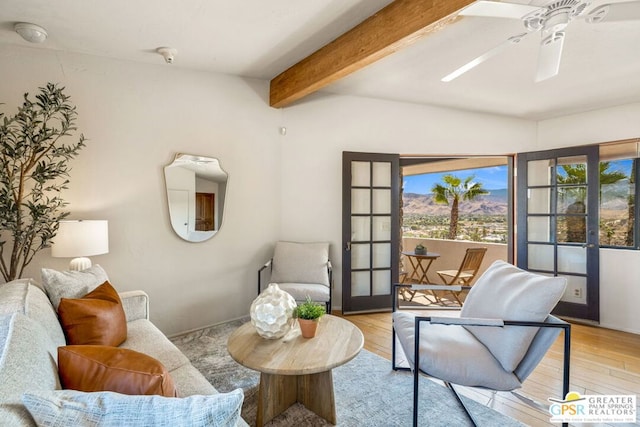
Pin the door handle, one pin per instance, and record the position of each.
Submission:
(348, 248)
(588, 245)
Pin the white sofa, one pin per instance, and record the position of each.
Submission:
(30, 335)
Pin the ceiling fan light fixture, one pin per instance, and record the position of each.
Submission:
(31, 32)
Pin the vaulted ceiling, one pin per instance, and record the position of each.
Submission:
(406, 61)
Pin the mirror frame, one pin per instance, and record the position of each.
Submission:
(184, 176)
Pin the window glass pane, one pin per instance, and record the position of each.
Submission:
(381, 174)
(572, 229)
(539, 200)
(360, 285)
(360, 256)
(382, 201)
(360, 228)
(541, 257)
(539, 229)
(360, 200)
(382, 228)
(572, 259)
(360, 174)
(539, 172)
(617, 203)
(382, 282)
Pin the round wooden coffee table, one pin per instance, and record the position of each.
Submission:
(298, 370)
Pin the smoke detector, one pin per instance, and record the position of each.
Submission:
(168, 53)
(31, 32)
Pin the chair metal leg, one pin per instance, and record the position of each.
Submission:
(461, 402)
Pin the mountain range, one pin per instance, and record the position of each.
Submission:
(494, 203)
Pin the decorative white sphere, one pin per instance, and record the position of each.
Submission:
(272, 311)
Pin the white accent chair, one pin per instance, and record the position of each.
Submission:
(301, 269)
(503, 332)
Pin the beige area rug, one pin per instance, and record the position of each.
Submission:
(367, 391)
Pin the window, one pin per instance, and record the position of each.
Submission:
(618, 195)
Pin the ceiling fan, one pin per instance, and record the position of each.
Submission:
(551, 19)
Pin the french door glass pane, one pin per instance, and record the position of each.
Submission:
(360, 285)
(381, 255)
(382, 282)
(571, 200)
(572, 229)
(572, 170)
(360, 256)
(538, 172)
(360, 174)
(539, 229)
(572, 259)
(360, 228)
(540, 257)
(360, 201)
(576, 291)
(381, 174)
(539, 201)
(382, 201)
(381, 228)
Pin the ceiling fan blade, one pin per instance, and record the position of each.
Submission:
(549, 56)
(494, 9)
(627, 11)
(484, 57)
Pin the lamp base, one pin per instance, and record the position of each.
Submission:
(79, 264)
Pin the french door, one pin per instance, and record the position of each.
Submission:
(370, 230)
(558, 200)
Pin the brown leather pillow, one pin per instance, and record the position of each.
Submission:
(102, 368)
(97, 318)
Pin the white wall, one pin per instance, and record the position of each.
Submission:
(136, 117)
(619, 269)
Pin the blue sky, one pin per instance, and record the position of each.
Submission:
(493, 178)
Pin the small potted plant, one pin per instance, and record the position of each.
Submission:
(308, 314)
(420, 249)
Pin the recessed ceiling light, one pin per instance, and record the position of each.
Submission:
(31, 32)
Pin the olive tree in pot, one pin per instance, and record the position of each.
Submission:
(34, 169)
(308, 314)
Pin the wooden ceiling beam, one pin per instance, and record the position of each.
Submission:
(394, 27)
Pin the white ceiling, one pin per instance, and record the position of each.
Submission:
(260, 39)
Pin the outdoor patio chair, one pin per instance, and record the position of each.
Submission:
(503, 332)
(301, 269)
(467, 271)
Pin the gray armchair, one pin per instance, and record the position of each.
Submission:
(503, 332)
(301, 269)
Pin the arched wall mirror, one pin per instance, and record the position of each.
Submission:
(196, 189)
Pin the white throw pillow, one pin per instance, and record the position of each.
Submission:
(300, 263)
(71, 284)
(107, 409)
(509, 293)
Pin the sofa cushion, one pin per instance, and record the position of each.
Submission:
(22, 296)
(104, 368)
(145, 337)
(300, 263)
(71, 284)
(97, 318)
(509, 293)
(108, 409)
(27, 362)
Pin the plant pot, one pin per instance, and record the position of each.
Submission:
(420, 251)
(308, 327)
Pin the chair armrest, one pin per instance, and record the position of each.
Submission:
(266, 264)
(135, 305)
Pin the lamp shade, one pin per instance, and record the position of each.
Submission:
(81, 238)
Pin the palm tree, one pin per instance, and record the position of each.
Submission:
(454, 190)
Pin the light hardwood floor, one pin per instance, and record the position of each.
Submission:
(603, 361)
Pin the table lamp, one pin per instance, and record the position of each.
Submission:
(80, 239)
